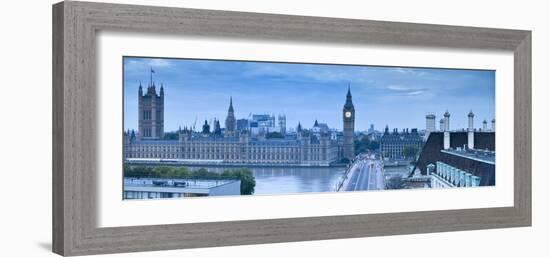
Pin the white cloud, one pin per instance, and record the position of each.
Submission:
(413, 93)
(160, 63)
(143, 65)
(311, 72)
(398, 88)
(410, 71)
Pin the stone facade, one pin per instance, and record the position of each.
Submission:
(348, 115)
(151, 113)
(304, 150)
(392, 144)
(230, 121)
(443, 175)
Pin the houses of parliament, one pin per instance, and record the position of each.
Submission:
(317, 146)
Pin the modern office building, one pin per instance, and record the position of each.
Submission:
(261, 124)
(242, 124)
(371, 129)
(282, 123)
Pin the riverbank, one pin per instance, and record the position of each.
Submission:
(273, 179)
(221, 164)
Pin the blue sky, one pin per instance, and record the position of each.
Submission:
(396, 96)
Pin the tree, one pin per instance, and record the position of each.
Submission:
(373, 145)
(171, 136)
(344, 160)
(248, 182)
(395, 182)
(163, 172)
(410, 151)
(274, 135)
(204, 173)
(365, 144)
(183, 172)
(138, 171)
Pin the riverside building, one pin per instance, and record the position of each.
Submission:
(236, 145)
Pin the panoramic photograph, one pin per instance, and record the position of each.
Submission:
(198, 127)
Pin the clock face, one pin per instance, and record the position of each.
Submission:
(348, 114)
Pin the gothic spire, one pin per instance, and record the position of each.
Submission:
(349, 102)
(151, 76)
(230, 121)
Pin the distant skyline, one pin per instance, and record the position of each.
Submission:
(395, 96)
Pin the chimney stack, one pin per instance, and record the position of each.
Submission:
(447, 119)
(471, 130)
(470, 121)
(446, 140)
(446, 133)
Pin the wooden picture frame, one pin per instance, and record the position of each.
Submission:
(75, 25)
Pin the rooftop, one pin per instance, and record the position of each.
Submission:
(473, 154)
(176, 183)
(156, 142)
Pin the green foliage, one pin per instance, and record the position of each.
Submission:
(248, 182)
(344, 160)
(164, 172)
(171, 136)
(183, 172)
(364, 144)
(202, 173)
(395, 182)
(274, 135)
(410, 151)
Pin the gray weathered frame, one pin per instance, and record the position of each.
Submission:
(74, 130)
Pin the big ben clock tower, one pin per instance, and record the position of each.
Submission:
(349, 125)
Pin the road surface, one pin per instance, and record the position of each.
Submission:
(366, 173)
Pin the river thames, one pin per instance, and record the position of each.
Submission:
(291, 180)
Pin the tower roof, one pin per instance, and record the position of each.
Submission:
(349, 103)
(231, 104)
(447, 114)
(471, 114)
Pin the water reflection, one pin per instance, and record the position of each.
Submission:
(291, 180)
